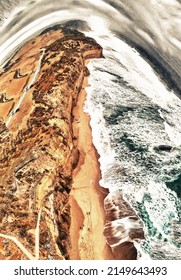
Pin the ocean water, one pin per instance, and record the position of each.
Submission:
(134, 104)
(137, 135)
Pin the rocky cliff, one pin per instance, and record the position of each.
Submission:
(39, 87)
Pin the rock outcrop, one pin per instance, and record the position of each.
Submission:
(39, 87)
(122, 227)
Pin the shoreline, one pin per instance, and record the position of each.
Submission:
(87, 197)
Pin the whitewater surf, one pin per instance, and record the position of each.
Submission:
(135, 109)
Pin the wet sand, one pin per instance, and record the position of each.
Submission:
(87, 197)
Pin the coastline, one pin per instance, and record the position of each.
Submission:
(37, 150)
(87, 197)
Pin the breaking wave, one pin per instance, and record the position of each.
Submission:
(135, 108)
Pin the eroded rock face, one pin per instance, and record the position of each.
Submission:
(38, 89)
(122, 226)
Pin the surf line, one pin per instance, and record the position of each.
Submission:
(26, 89)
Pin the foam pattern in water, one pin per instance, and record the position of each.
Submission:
(138, 155)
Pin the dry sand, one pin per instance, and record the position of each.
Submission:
(86, 197)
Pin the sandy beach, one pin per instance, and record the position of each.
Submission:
(86, 197)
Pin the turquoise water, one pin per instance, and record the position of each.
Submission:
(134, 104)
(130, 131)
